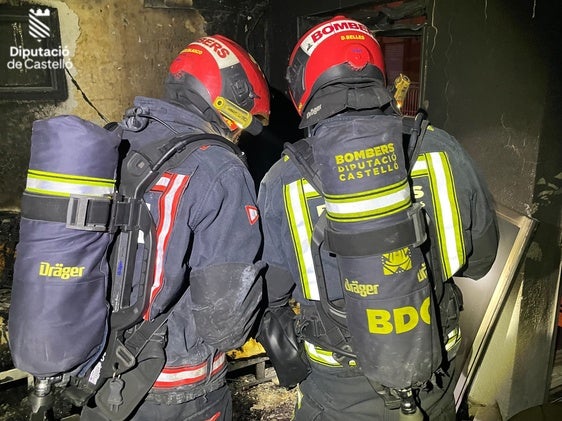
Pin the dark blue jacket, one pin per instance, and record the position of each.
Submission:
(208, 241)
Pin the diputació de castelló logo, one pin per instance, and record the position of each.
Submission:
(39, 58)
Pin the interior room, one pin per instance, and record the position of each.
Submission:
(488, 72)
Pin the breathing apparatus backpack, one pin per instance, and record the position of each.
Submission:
(371, 224)
(78, 297)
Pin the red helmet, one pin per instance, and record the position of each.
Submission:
(339, 50)
(226, 77)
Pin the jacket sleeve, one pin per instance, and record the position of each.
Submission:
(225, 279)
(480, 224)
(484, 232)
(279, 282)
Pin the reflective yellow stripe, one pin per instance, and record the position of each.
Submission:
(58, 184)
(420, 167)
(320, 355)
(78, 178)
(436, 167)
(453, 339)
(300, 225)
(369, 205)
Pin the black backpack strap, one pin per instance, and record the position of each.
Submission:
(327, 327)
(79, 212)
(414, 129)
(142, 168)
(300, 153)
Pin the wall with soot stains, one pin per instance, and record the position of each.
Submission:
(117, 50)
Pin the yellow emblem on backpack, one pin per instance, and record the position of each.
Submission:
(397, 261)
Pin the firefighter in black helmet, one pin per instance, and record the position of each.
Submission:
(336, 81)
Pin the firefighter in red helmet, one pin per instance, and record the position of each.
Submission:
(366, 235)
(208, 231)
(217, 77)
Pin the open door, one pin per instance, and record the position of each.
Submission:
(483, 299)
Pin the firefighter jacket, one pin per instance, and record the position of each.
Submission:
(458, 208)
(208, 238)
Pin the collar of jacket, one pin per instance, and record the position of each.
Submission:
(178, 117)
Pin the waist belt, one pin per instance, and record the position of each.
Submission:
(88, 213)
(171, 377)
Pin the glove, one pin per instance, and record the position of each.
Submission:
(279, 339)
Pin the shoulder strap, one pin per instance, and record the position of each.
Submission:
(142, 168)
(300, 153)
(331, 324)
(414, 128)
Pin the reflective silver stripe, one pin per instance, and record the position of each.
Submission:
(372, 204)
(420, 167)
(300, 225)
(190, 374)
(453, 339)
(451, 239)
(435, 166)
(58, 184)
(64, 189)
